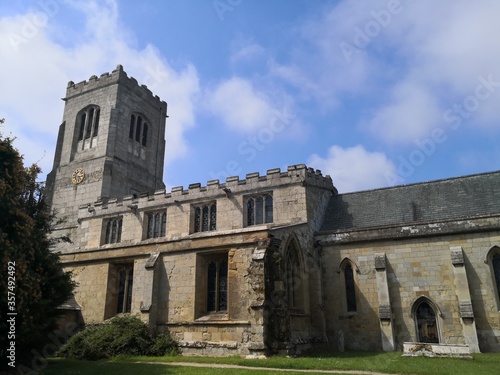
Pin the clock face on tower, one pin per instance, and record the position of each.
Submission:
(77, 176)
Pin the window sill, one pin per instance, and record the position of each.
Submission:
(221, 316)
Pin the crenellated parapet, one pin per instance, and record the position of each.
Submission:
(118, 75)
(253, 183)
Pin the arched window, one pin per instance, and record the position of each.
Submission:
(350, 288)
(493, 258)
(348, 269)
(426, 324)
(139, 129)
(295, 278)
(87, 122)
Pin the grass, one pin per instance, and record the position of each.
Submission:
(390, 363)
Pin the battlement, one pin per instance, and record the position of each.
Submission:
(118, 75)
(253, 183)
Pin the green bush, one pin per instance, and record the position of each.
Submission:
(125, 334)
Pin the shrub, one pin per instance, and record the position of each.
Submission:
(125, 334)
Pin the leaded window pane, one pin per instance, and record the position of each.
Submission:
(130, 279)
(119, 231)
(114, 229)
(259, 210)
(269, 208)
(212, 287)
(108, 232)
(121, 290)
(163, 224)
(204, 219)
(150, 225)
(250, 211)
(213, 216)
(223, 286)
(197, 219)
(156, 233)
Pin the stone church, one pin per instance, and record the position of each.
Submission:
(273, 263)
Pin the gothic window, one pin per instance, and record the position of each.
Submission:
(347, 269)
(295, 278)
(425, 321)
(126, 279)
(138, 130)
(205, 218)
(259, 209)
(88, 122)
(113, 232)
(350, 290)
(156, 224)
(493, 259)
(217, 285)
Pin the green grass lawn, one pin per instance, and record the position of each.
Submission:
(391, 363)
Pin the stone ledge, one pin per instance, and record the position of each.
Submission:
(416, 349)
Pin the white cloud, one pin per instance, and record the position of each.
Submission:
(354, 168)
(240, 105)
(37, 67)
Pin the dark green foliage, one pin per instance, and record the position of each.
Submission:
(122, 335)
(36, 277)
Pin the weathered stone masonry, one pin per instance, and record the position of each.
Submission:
(271, 263)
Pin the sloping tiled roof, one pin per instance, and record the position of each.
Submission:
(440, 200)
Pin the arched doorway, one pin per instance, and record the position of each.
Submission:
(426, 322)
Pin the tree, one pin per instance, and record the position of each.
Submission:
(32, 280)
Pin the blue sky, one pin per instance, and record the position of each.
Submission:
(373, 93)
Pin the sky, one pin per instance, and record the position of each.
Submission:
(373, 93)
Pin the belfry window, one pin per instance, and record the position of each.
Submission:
(113, 230)
(156, 224)
(138, 130)
(259, 209)
(88, 122)
(205, 218)
(217, 285)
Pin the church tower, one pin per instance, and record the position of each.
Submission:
(111, 143)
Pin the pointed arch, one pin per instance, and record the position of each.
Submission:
(295, 276)
(426, 317)
(493, 260)
(348, 269)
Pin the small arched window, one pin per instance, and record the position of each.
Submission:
(205, 218)
(348, 269)
(295, 277)
(113, 231)
(157, 224)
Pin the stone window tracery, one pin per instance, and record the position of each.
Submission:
(138, 129)
(156, 224)
(259, 209)
(205, 218)
(113, 232)
(88, 123)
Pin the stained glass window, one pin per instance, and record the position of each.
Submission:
(113, 231)
(217, 286)
(156, 224)
(125, 285)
